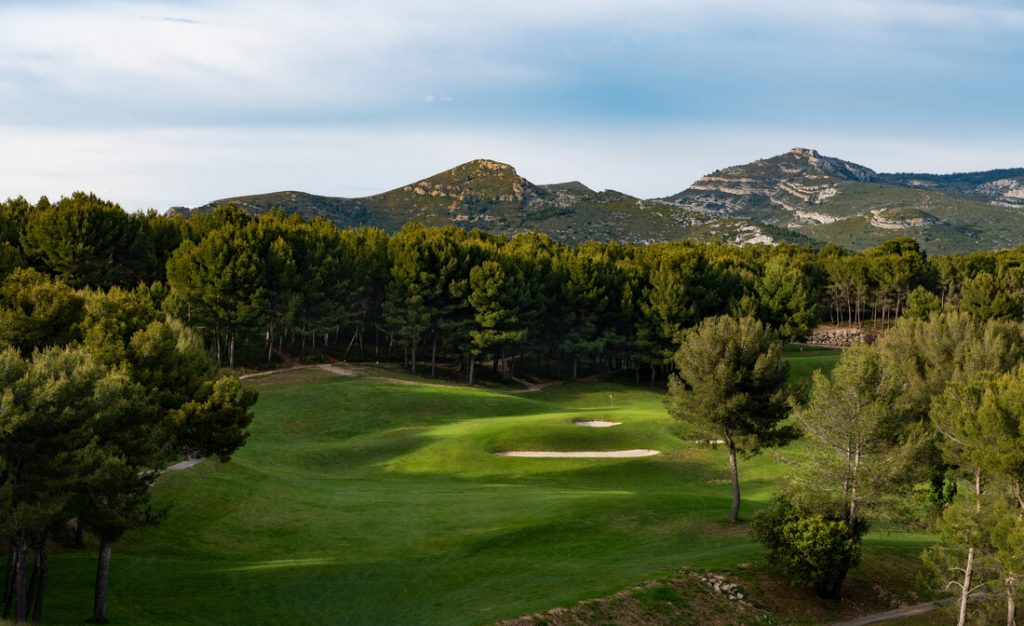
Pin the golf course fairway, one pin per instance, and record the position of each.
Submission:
(361, 501)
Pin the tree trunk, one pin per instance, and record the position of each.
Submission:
(33, 579)
(231, 351)
(653, 374)
(833, 589)
(433, 356)
(42, 567)
(12, 560)
(414, 342)
(575, 365)
(965, 590)
(1011, 605)
(472, 362)
(968, 570)
(734, 515)
(354, 335)
(79, 533)
(851, 518)
(99, 610)
(21, 583)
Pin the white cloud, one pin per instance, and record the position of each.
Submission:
(288, 59)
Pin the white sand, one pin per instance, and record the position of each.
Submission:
(550, 454)
(596, 423)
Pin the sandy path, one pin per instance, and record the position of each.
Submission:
(907, 611)
(183, 465)
(552, 454)
(596, 423)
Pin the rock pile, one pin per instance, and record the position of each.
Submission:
(722, 586)
(839, 337)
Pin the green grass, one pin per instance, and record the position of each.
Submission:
(366, 502)
(804, 360)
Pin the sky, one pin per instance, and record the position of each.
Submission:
(160, 104)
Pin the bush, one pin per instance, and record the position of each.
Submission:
(812, 547)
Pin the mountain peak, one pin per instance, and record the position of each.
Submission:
(485, 166)
(805, 152)
(831, 166)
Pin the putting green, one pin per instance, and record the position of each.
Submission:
(359, 501)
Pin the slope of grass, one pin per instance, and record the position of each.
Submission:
(367, 502)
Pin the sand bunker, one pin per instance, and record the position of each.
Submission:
(551, 454)
(596, 423)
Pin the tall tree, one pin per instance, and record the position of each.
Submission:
(47, 444)
(184, 407)
(861, 447)
(219, 284)
(84, 240)
(731, 384)
(495, 293)
(36, 311)
(785, 299)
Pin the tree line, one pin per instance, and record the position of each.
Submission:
(262, 289)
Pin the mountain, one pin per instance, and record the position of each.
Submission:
(800, 196)
(493, 197)
(1000, 187)
(832, 200)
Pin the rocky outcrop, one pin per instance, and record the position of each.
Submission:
(835, 167)
(890, 219)
(1005, 191)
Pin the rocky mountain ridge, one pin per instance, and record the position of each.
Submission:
(799, 196)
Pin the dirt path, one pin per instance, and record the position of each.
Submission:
(272, 372)
(341, 370)
(907, 611)
(529, 387)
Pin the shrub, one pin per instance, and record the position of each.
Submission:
(812, 545)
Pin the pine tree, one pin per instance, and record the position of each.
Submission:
(731, 384)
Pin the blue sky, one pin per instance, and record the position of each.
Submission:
(154, 104)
